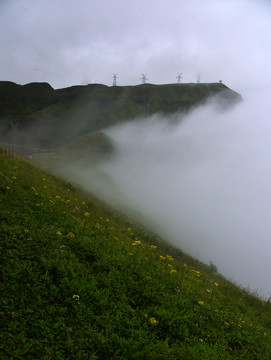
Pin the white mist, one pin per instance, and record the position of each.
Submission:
(204, 184)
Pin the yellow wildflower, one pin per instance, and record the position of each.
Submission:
(137, 242)
(129, 229)
(216, 284)
(201, 303)
(87, 214)
(83, 203)
(170, 265)
(44, 187)
(200, 340)
(226, 323)
(131, 254)
(107, 220)
(153, 247)
(195, 272)
(173, 271)
(162, 257)
(58, 197)
(70, 235)
(170, 258)
(153, 321)
(59, 233)
(43, 179)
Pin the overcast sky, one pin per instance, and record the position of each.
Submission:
(68, 42)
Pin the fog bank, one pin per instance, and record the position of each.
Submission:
(204, 182)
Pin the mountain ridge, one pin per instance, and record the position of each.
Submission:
(36, 114)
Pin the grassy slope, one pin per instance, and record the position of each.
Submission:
(20, 101)
(53, 117)
(79, 281)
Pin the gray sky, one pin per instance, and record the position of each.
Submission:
(67, 42)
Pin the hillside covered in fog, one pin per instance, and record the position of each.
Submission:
(37, 115)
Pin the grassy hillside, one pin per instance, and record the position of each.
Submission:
(37, 115)
(81, 281)
(17, 101)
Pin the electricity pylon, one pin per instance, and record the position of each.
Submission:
(144, 78)
(115, 79)
(179, 78)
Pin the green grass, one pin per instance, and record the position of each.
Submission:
(81, 281)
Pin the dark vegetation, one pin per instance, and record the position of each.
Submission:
(81, 281)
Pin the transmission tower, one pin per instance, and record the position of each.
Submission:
(179, 78)
(115, 79)
(144, 78)
(198, 79)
